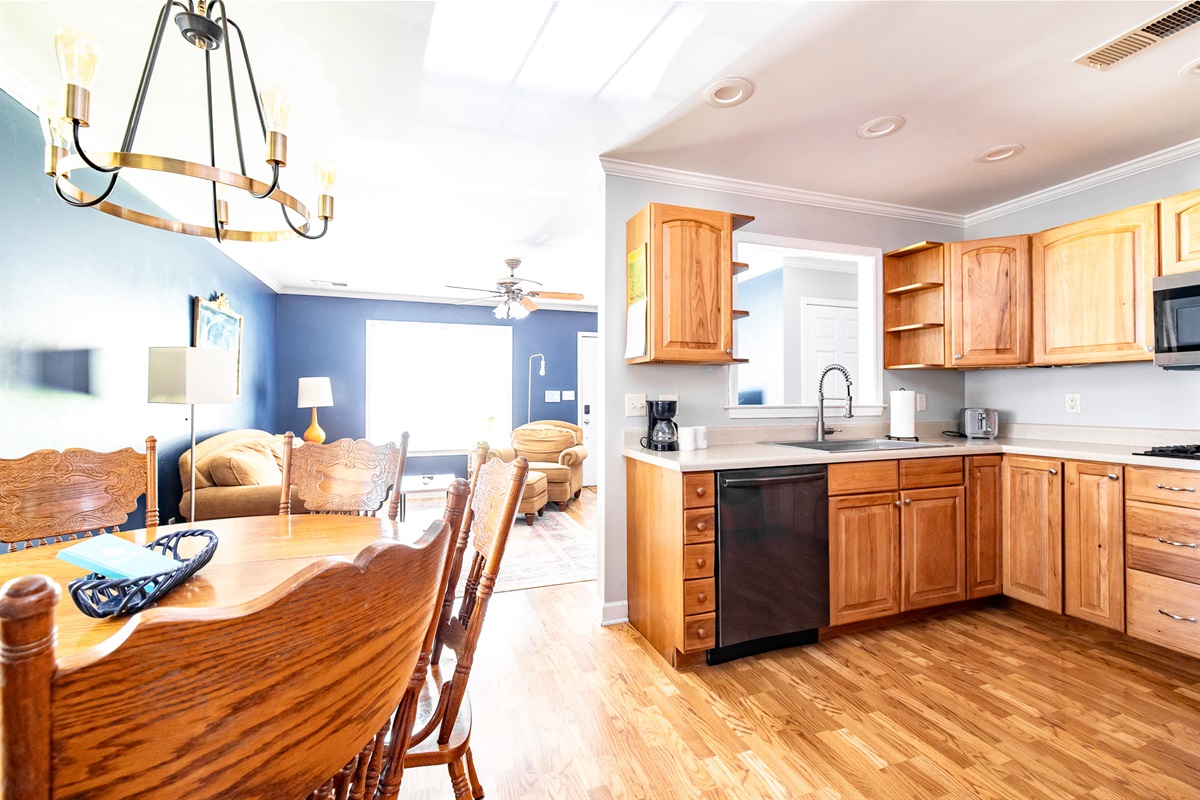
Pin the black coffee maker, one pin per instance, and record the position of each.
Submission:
(661, 431)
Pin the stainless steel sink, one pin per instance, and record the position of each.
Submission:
(851, 445)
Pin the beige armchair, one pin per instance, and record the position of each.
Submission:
(553, 448)
(238, 474)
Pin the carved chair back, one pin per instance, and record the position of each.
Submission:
(55, 496)
(265, 699)
(349, 476)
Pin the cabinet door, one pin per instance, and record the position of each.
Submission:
(1091, 288)
(989, 302)
(1093, 543)
(691, 318)
(1179, 217)
(1033, 531)
(933, 541)
(864, 557)
(983, 526)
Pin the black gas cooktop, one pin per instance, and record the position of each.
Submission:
(1191, 451)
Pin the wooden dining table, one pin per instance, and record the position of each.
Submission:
(253, 556)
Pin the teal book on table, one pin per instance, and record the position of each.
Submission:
(114, 557)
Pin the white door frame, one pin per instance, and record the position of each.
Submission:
(591, 428)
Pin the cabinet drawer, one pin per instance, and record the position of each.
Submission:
(923, 473)
(699, 525)
(1163, 540)
(698, 561)
(862, 477)
(700, 632)
(1172, 487)
(1150, 598)
(699, 490)
(699, 596)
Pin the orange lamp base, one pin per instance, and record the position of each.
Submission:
(314, 433)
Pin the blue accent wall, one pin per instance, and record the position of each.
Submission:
(327, 336)
(83, 295)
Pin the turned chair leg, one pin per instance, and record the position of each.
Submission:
(458, 779)
(473, 777)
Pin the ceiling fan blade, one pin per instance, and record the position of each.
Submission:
(529, 304)
(557, 295)
(473, 289)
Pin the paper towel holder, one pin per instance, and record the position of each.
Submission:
(903, 438)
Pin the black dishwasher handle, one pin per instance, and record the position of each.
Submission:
(815, 476)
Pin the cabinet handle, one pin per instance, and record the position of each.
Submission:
(700, 491)
(701, 526)
(701, 632)
(907, 502)
(1192, 545)
(957, 356)
(1053, 471)
(1176, 616)
(1191, 489)
(897, 502)
(700, 562)
(700, 598)
(1112, 476)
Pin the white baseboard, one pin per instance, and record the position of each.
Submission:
(614, 613)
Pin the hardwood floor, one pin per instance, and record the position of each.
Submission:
(1004, 702)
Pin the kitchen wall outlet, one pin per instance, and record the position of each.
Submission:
(920, 401)
(1072, 404)
(568, 394)
(635, 405)
(552, 396)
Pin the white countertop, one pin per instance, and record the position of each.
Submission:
(751, 456)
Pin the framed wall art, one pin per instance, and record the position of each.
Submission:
(216, 325)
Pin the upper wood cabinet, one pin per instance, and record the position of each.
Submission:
(680, 262)
(1179, 218)
(1033, 531)
(1091, 288)
(914, 280)
(988, 302)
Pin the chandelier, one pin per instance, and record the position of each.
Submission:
(206, 26)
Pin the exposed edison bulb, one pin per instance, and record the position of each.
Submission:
(326, 173)
(53, 127)
(276, 108)
(78, 57)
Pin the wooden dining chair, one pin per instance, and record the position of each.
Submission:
(442, 725)
(266, 699)
(50, 496)
(349, 476)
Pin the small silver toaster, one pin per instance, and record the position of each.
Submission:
(979, 423)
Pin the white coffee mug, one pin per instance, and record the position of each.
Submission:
(687, 438)
(701, 437)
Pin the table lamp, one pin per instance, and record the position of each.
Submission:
(314, 393)
(191, 376)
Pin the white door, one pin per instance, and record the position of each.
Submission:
(830, 336)
(586, 402)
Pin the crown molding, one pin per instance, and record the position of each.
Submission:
(1146, 163)
(766, 191)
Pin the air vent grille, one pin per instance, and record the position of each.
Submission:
(1143, 37)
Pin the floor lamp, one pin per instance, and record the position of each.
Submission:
(529, 390)
(191, 376)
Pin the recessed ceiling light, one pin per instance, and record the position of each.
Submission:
(728, 92)
(999, 153)
(1191, 69)
(883, 126)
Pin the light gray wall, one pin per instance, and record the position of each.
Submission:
(703, 390)
(1120, 395)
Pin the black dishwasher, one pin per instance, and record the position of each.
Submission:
(772, 559)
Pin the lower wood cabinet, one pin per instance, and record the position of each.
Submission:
(1033, 531)
(933, 547)
(984, 523)
(864, 557)
(1093, 543)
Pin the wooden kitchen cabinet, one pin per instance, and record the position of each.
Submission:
(671, 535)
(983, 525)
(1032, 560)
(988, 303)
(864, 556)
(914, 307)
(1093, 543)
(680, 260)
(1092, 288)
(933, 541)
(1179, 233)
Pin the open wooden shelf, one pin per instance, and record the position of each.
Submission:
(916, 326)
(739, 314)
(914, 287)
(740, 266)
(914, 366)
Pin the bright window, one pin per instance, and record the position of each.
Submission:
(448, 385)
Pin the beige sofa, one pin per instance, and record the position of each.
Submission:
(238, 474)
(555, 449)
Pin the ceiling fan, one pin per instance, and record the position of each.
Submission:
(515, 302)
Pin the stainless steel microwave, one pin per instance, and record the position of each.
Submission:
(1177, 321)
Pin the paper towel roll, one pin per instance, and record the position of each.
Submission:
(904, 414)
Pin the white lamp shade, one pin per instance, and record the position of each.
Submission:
(192, 375)
(314, 393)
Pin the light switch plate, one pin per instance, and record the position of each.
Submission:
(552, 396)
(568, 395)
(920, 401)
(635, 405)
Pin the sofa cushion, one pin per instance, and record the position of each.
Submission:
(542, 442)
(248, 463)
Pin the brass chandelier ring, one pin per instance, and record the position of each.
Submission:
(189, 169)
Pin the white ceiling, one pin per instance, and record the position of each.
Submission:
(469, 132)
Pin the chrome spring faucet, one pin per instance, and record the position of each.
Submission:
(821, 398)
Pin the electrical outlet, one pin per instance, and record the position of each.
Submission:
(1072, 404)
(920, 401)
(635, 405)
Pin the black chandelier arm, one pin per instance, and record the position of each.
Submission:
(300, 233)
(274, 184)
(237, 124)
(139, 98)
(216, 215)
(262, 122)
(84, 156)
(112, 183)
